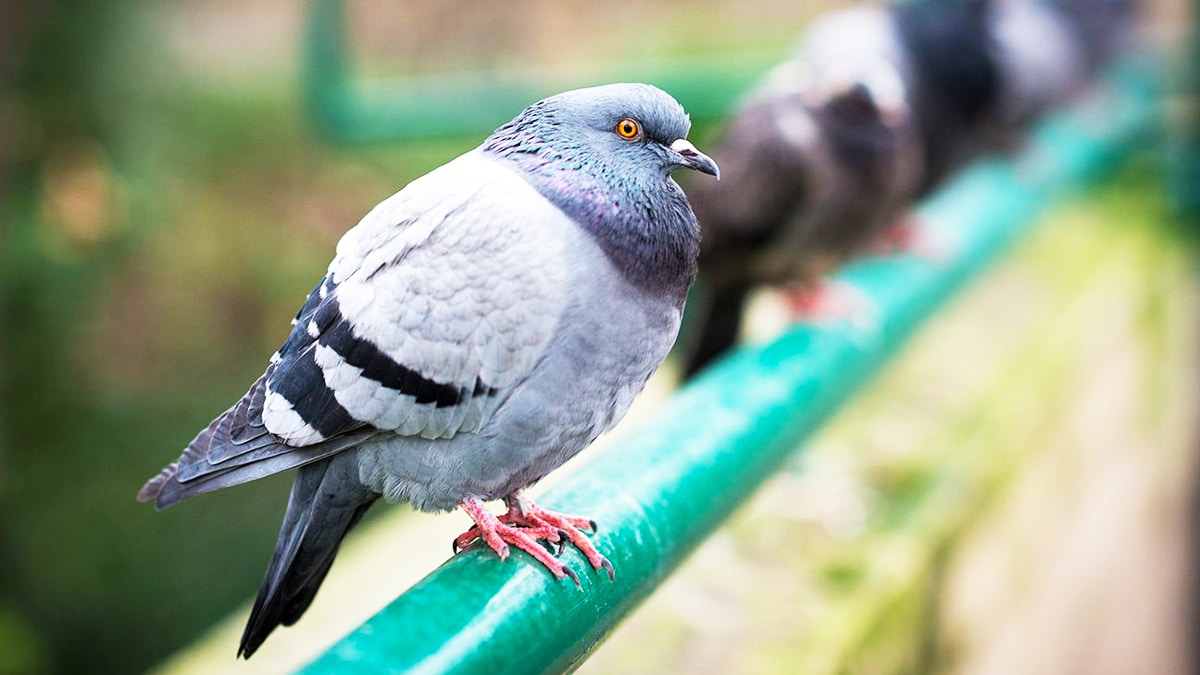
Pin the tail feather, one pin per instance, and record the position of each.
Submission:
(237, 448)
(327, 500)
(717, 322)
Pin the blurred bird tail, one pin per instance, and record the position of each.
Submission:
(327, 500)
(714, 324)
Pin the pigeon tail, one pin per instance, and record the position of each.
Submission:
(327, 500)
(237, 448)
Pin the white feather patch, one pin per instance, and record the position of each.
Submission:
(372, 402)
(282, 420)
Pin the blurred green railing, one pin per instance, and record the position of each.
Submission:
(1185, 148)
(356, 109)
(664, 489)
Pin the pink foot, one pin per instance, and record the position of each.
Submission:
(829, 301)
(909, 235)
(523, 526)
(534, 516)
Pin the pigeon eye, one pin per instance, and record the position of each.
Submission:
(629, 129)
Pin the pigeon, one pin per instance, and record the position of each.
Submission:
(473, 332)
(985, 70)
(820, 158)
(874, 110)
(954, 78)
(1104, 29)
(1041, 63)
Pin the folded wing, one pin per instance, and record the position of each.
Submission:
(437, 305)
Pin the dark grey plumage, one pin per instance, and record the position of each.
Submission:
(327, 500)
(985, 70)
(474, 331)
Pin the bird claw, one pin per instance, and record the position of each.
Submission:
(557, 543)
(560, 541)
(571, 573)
(607, 567)
(465, 539)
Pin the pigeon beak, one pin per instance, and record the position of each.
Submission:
(691, 158)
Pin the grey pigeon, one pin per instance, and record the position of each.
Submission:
(984, 70)
(1041, 60)
(818, 160)
(1104, 28)
(955, 80)
(474, 331)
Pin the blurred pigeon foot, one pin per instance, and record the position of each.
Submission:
(911, 236)
(828, 301)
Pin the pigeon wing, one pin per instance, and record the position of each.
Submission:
(437, 304)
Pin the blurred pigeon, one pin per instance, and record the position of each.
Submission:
(985, 70)
(877, 107)
(954, 79)
(474, 331)
(819, 159)
(1040, 60)
(1103, 28)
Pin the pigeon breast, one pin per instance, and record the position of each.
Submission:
(609, 337)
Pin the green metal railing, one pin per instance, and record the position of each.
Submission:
(660, 492)
(351, 108)
(1185, 149)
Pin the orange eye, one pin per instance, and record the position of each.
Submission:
(628, 129)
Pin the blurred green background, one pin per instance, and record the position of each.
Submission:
(166, 205)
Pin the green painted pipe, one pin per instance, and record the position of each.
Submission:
(1185, 148)
(669, 485)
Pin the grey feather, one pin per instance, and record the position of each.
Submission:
(1104, 29)
(1042, 61)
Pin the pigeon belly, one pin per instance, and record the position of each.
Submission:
(610, 340)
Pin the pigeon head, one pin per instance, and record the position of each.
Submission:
(604, 156)
(622, 128)
(868, 88)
